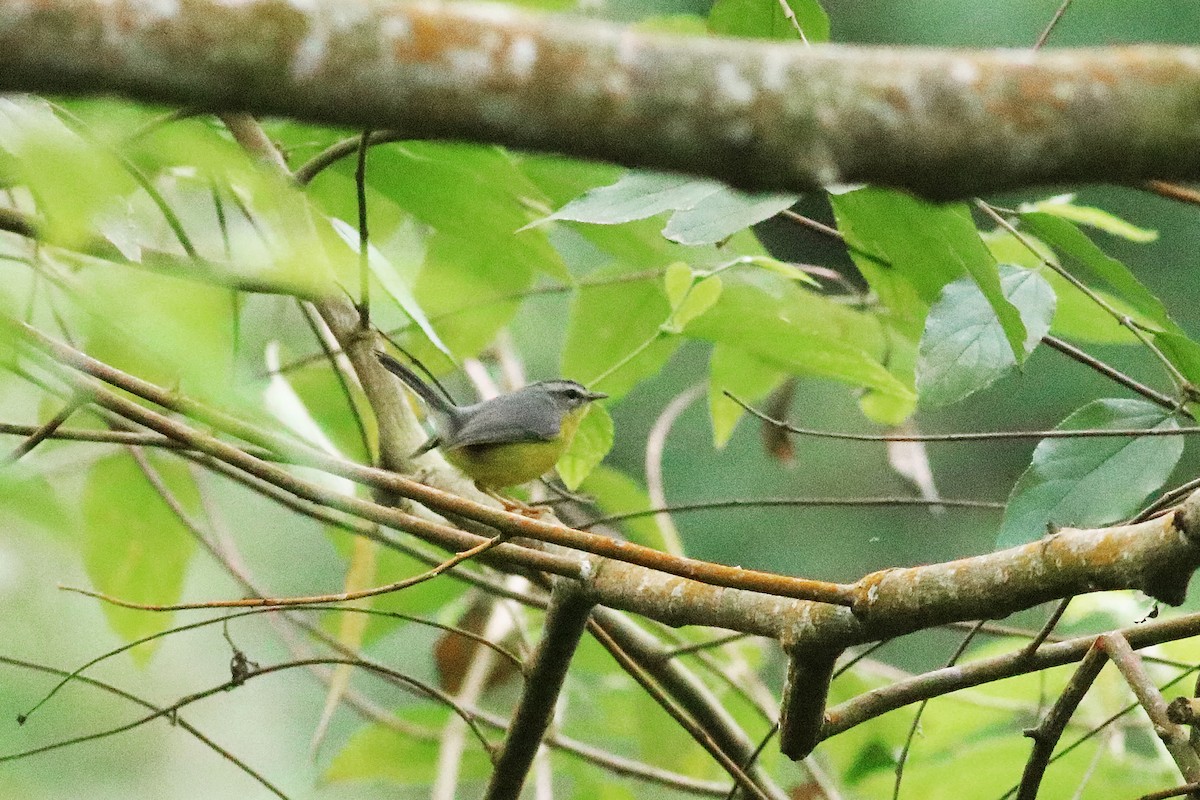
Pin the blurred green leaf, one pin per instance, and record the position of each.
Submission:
(1068, 240)
(170, 331)
(476, 201)
(41, 153)
(964, 348)
(1064, 206)
(798, 331)
(591, 444)
(1183, 352)
(747, 376)
(29, 496)
(391, 281)
(699, 299)
(1092, 481)
(134, 547)
(766, 19)
(676, 281)
(608, 323)
(617, 493)
(378, 752)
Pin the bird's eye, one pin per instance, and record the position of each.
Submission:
(574, 393)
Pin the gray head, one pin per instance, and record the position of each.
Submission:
(567, 395)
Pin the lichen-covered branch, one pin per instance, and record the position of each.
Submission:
(757, 114)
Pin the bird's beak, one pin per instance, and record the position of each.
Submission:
(596, 396)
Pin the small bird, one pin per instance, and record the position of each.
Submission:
(505, 441)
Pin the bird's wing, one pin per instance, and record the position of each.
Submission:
(517, 417)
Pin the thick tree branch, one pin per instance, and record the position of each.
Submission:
(761, 115)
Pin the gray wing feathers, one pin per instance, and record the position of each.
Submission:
(522, 416)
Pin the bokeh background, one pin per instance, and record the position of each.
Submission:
(270, 726)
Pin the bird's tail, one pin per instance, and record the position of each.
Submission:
(414, 382)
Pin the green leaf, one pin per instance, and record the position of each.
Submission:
(742, 374)
(908, 250)
(617, 493)
(799, 332)
(1183, 353)
(1092, 481)
(391, 281)
(637, 195)
(610, 322)
(765, 19)
(134, 546)
(964, 348)
(72, 180)
(676, 281)
(591, 444)
(171, 331)
(476, 203)
(717, 216)
(29, 496)
(699, 299)
(378, 752)
(1064, 206)
(1068, 240)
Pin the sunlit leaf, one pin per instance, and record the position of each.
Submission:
(1097, 265)
(134, 546)
(766, 19)
(591, 444)
(1064, 206)
(1092, 481)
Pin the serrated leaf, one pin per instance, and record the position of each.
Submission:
(1065, 207)
(636, 195)
(591, 444)
(700, 299)
(717, 216)
(765, 19)
(134, 546)
(964, 348)
(1092, 481)
(391, 281)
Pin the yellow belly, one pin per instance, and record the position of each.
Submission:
(498, 466)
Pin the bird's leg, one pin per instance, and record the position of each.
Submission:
(511, 504)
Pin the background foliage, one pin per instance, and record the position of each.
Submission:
(642, 285)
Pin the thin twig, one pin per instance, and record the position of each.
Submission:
(340, 597)
(916, 721)
(1041, 40)
(977, 436)
(45, 431)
